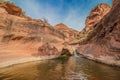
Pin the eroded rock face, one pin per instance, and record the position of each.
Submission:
(11, 8)
(103, 43)
(47, 49)
(68, 32)
(96, 15)
(22, 36)
(25, 35)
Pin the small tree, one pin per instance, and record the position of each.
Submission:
(45, 20)
(23, 13)
(9, 26)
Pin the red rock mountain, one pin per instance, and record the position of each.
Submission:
(68, 32)
(96, 15)
(103, 43)
(22, 35)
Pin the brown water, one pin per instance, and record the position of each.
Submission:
(61, 69)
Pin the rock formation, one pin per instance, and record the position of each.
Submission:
(115, 2)
(47, 49)
(96, 15)
(103, 43)
(22, 35)
(11, 8)
(65, 52)
(68, 32)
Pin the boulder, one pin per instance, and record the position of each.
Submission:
(47, 49)
(65, 52)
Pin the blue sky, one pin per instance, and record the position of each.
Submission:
(70, 12)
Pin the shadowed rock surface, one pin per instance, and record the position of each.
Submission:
(65, 52)
(115, 2)
(96, 15)
(103, 43)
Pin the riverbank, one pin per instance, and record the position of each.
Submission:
(58, 69)
(108, 60)
(11, 62)
(10, 55)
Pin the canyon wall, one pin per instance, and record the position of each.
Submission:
(115, 2)
(103, 43)
(96, 15)
(22, 34)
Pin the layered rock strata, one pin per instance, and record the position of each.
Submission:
(103, 43)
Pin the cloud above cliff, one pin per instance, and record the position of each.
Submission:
(70, 12)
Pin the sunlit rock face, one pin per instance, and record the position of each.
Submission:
(11, 8)
(96, 15)
(103, 43)
(19, 33)
(69, 33)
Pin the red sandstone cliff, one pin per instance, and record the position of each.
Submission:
(11, 8)
(20, 34)
(103, 43)
(69, 33)
(93, 18)
(96, 15)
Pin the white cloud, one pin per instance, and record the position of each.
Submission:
(39, 11)
(75, 18)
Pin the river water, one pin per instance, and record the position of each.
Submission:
(73, 68)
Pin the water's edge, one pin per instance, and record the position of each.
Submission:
(102, 60)
(25, 60)
(70, 68)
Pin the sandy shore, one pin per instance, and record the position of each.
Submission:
(23, 60)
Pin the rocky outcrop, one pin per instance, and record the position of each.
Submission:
(65, 53)
(47, 49)
(96, 15)
(11, 8)
(69, 33)
(115, 2)
(103, 43)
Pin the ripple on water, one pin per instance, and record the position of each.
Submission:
(59, 69)
(76, 76)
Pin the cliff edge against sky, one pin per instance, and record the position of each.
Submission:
(103, 43)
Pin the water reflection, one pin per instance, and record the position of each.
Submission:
(66, 69)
